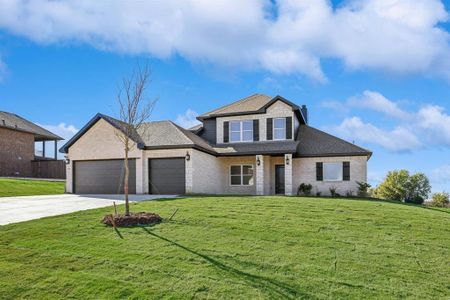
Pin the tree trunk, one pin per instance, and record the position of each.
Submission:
(125, 183)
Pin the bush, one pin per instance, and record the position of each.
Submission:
(333, 192)
(440, 199)
(349, 194)
(363, 189)
(400, 186)
(304, 189)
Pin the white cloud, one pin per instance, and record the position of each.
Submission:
(188, 119)
(430, 125)
(398, 139)
(377, 102)
(399, 36)
(62, 130)
(441, 174)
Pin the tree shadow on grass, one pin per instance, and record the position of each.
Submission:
(276, 288)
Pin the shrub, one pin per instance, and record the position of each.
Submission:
(400, 186)
(349, 193)
(304, 189)
(318, 194)
(333, 191)
(363, 189)
(440, 199)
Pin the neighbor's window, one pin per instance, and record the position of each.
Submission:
(241, 131)
(241, 175)
(279, 128)
(332, 171)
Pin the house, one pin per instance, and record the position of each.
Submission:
(18, 156)
(258, 145)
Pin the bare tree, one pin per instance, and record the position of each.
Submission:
(135, 108)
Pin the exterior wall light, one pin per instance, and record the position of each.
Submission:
(287, 160)
(258, 162)
(188, 156)
(67, 161)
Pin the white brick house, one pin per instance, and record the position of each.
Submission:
(258, 145)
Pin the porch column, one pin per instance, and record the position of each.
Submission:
(259, 175)
(288, 174)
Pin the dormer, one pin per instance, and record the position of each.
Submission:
(253, 119)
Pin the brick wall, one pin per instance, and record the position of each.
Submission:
(16, 152)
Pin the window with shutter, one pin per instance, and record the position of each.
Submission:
(269, 129)
(255, 130)
(226, 131)
(319, 171)
(289, 128)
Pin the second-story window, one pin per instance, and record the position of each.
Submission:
(241, 131)
(279, 128)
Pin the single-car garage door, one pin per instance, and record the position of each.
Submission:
(103, 176)
(167, 176)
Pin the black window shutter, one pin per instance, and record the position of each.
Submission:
(255, 130)
(346, 170)
(269, 129)
(289, 128)
(319, 171)
(226, 131)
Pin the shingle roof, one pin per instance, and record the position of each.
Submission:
(270, 147)
(248, 104)
(314, 143)
(16, 122)
(166, 133)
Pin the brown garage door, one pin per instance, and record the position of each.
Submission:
(103, 176)
(167, 176)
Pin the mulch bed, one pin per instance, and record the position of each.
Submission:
(134, 219)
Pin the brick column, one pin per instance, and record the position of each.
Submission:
(189, 173)
(259, 175)
(288, 174)
(140, 174)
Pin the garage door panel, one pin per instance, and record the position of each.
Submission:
(103, 176)
(167, 176)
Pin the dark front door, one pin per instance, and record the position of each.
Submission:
(279, 179)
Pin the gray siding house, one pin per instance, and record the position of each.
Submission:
(258, 145)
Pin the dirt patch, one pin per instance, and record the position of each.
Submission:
(134, 219)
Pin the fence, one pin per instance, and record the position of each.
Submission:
(49, 169)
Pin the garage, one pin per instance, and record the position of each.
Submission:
(167, 176)
(103, 176)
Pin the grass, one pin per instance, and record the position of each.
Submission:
(233, 247)
(25, 187)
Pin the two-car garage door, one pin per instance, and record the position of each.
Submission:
(166, 176)
(103, 176)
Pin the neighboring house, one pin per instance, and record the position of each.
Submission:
(17, 147)
(258, 145)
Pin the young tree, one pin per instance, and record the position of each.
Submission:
(440, 199)
(134, 110)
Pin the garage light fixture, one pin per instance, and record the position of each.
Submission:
(67, 161)
(188, 156)
(258, 161)
(287, 160)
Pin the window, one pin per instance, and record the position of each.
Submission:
(241, 131)
(332, 171)
(241, 175)
(279, 128)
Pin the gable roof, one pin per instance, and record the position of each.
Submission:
(316, 143)
(16, 122)
(152, 135)
(254, 104)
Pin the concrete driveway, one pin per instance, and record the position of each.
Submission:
(24, 208)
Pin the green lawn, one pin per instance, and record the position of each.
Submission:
(234, 247)
(25, 187)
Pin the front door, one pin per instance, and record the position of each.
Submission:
(279, 179)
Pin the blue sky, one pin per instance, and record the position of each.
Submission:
(373, 72)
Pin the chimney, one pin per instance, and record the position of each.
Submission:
(305, 113)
